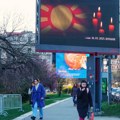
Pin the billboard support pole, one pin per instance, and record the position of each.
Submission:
(94, 77)
(37, 30)
(91, 76)
(109, 80)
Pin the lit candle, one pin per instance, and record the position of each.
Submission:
(99, 14)
(101, 30)
(95, 20)
(111, 26)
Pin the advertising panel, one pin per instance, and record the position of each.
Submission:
(79, 25)
(104, 85)
(71, 65)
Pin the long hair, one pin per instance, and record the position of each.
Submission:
(84, 81)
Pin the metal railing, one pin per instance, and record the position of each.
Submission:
(10, 101)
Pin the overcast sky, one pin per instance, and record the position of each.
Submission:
(24, 8)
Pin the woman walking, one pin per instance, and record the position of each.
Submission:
(74, 94)
(84, 100)
(38, 96)
(30, 92)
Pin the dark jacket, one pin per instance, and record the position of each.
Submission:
(84, 100)
(74, 91)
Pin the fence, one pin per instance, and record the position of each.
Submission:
(10, 101)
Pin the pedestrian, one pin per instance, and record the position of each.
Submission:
(79, 85)
(84, 100)
(38, 97)
(30, 92)
(74, 94)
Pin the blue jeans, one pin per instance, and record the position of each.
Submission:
(34, 110)
(74, 99)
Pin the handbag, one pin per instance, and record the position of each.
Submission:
(91, 116)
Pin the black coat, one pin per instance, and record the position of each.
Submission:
(84, 100)
(74, 91)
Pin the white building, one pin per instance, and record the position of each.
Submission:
(26, 42)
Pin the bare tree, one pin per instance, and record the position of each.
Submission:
(20, 66)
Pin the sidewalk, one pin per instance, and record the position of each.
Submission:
(61, 111)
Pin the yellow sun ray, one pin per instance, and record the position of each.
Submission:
(44, 19)
(48, 28)
(79, 27)
(80, 15)
(74, 7)
(45, 8)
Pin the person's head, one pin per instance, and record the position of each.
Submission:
(79, 84)
(36, 81)
(75, 85)
(83, 84)
(33, 83)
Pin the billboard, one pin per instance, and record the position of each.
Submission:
(78, 26)
(71, 65)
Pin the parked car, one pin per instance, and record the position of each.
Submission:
(117, 95)
(114, 90)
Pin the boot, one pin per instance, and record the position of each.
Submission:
(33, 118)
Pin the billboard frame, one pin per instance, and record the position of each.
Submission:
(69, 48)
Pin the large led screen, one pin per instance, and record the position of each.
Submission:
(71, 65)
(79, 25)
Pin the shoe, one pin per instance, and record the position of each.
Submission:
(33, 118)
(41, 118)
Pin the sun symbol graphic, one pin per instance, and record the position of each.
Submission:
(75, 60)
(61, 18)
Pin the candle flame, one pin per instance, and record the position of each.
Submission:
(101, 24)
(99, 8)
(94, 14)
(111, 20)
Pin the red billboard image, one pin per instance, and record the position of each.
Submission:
(61, 18)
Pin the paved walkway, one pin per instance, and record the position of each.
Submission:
(61, 111)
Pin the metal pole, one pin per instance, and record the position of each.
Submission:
(109, 80)
(91, 76)
(100, 82)
(38, 2)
